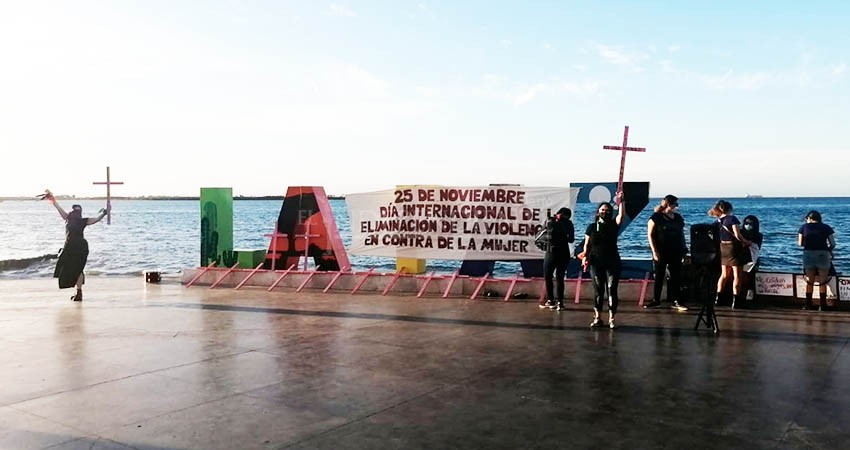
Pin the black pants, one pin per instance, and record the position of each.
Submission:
(555, 263)
(674, 284)
(606, 280)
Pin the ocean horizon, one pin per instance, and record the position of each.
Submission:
(163, 235)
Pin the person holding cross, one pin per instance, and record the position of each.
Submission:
(74, 254)
(602, 254)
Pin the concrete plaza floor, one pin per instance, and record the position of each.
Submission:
(167, 367)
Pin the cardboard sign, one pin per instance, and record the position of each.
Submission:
(778, 284)
(844, 289)
(831, 287)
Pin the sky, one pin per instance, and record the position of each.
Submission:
(729, 98)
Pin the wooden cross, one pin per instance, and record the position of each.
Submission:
(624, 148)
(306, 237)
(108, 183)
(274, 256)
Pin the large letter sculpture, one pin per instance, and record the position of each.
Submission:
(306, 227)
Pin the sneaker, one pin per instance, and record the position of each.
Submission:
(652, 304)
(561, 306)
(597, 322)
(678, 307)
(611, 324)
(549, 304)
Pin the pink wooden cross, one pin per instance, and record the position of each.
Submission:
(306, 237)
(624, 148)
(274, 256)
(108, 184)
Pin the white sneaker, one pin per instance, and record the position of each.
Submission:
(611, 324)
(597, 322)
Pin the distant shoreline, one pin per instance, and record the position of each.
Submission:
(163, 197)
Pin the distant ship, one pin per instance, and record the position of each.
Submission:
(754, 196)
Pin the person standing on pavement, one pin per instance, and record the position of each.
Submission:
(666, 234)
(558, 253)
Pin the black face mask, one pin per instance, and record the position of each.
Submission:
(606, 216)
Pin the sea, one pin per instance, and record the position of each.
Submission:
(163, 235)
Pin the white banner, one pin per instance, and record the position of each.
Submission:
(490, 222)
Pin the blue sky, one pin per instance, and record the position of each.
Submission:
(730, 98)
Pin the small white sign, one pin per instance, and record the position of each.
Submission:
(778, 284)
(844, 289)
(831, 287)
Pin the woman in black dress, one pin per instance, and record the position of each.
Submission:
(603, 256)
(75, 252)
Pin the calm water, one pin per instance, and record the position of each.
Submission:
(164, 235)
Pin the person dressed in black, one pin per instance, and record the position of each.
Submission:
(602, 255)
(74, 255)
(666, 233)
(561, 237)
(752, 234)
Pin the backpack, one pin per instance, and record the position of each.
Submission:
(543, 237)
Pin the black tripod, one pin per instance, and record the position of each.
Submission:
(707, 316)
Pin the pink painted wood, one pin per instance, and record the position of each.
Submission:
(479, 287)
(306, 280)
(333, 280)
(199, 275)
(280, 278)
(392, 282)
(248, 277)
(363, 281)
(306, 235)
(451, 283)
(511, 287)
(644, 284)
(425, 284)
(226, 273)
(274, 256)
(108, 184)
(623, 149)
(578, 287)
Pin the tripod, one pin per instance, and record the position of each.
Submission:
(706, 315)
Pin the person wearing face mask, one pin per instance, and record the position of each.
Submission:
(818, 241)
(750, 257)
(72, 259)
(602, 256)
(666, 234)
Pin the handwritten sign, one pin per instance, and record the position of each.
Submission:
(487, 222)
(844, 289)
(831, 287)
(778, 284)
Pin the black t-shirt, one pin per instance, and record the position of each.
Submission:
(562, 234)
(603, 240)
(668, 236)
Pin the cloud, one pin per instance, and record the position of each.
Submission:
(341, 11)
(839, 69)
(499, 88)
(732, 81)
(618, 55)
(674, 48)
